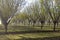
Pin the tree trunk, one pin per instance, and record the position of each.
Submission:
(34, 23)
(38, 24)
(41, 25)
(24, 23)
(54, 26)
(6, 29)
(57, 24)
(30, 23)
(49, 22)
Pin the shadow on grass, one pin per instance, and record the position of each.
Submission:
(31, 31)
(46, 38)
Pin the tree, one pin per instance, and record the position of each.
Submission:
(7, 10)
(22, 17)
(35, 12)
(53, 9)
(42, 14)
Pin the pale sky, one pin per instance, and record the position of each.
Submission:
(28, 3)
(0, 21)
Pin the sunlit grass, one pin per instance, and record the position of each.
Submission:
(30, 35)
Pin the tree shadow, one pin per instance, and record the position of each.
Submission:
(46, 38)
(31, 31)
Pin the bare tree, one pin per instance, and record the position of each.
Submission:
(52, 8)
(35, 12)
(7, 10)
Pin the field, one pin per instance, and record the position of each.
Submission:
(29, 33)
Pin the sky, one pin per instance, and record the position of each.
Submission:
(27, 3)
(0, 21)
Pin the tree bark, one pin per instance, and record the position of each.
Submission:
(34, 23)
(57, 24)
(54, 27)
(6, 29)
(41, 25)
(49, 22)
(6, 25)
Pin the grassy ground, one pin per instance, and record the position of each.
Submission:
(29, 36)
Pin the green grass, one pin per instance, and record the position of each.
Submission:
(29, 35)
